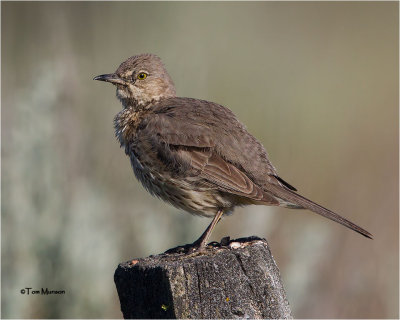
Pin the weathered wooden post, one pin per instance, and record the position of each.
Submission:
(233, 279)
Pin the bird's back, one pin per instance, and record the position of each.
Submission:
(199, 123)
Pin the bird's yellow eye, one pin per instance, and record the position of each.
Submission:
(142, 76)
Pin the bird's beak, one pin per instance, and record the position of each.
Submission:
(112, 78)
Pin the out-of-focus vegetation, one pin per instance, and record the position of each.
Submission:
(315, 82)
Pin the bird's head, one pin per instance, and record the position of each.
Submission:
(141, 80)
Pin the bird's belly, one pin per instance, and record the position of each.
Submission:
(181, 193)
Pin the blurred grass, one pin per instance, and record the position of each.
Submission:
(315, 82)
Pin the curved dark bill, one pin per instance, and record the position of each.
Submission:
(112, 78)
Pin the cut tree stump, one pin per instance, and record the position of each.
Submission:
(231, 279)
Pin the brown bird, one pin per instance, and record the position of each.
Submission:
(195, 154)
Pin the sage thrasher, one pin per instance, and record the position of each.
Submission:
(195, 154)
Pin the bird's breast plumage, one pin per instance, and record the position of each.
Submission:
(156, 174)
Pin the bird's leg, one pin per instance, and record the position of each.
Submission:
(201, 242)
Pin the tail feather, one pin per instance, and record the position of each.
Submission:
(298, 200)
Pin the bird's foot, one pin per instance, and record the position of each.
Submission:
(196, 247)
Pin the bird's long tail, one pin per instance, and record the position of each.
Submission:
(298, 200)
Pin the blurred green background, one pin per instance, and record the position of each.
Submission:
(315, 82)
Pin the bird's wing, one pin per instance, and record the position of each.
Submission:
(193, 144)
(224, 175)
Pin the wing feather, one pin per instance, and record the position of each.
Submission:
(226, 176)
